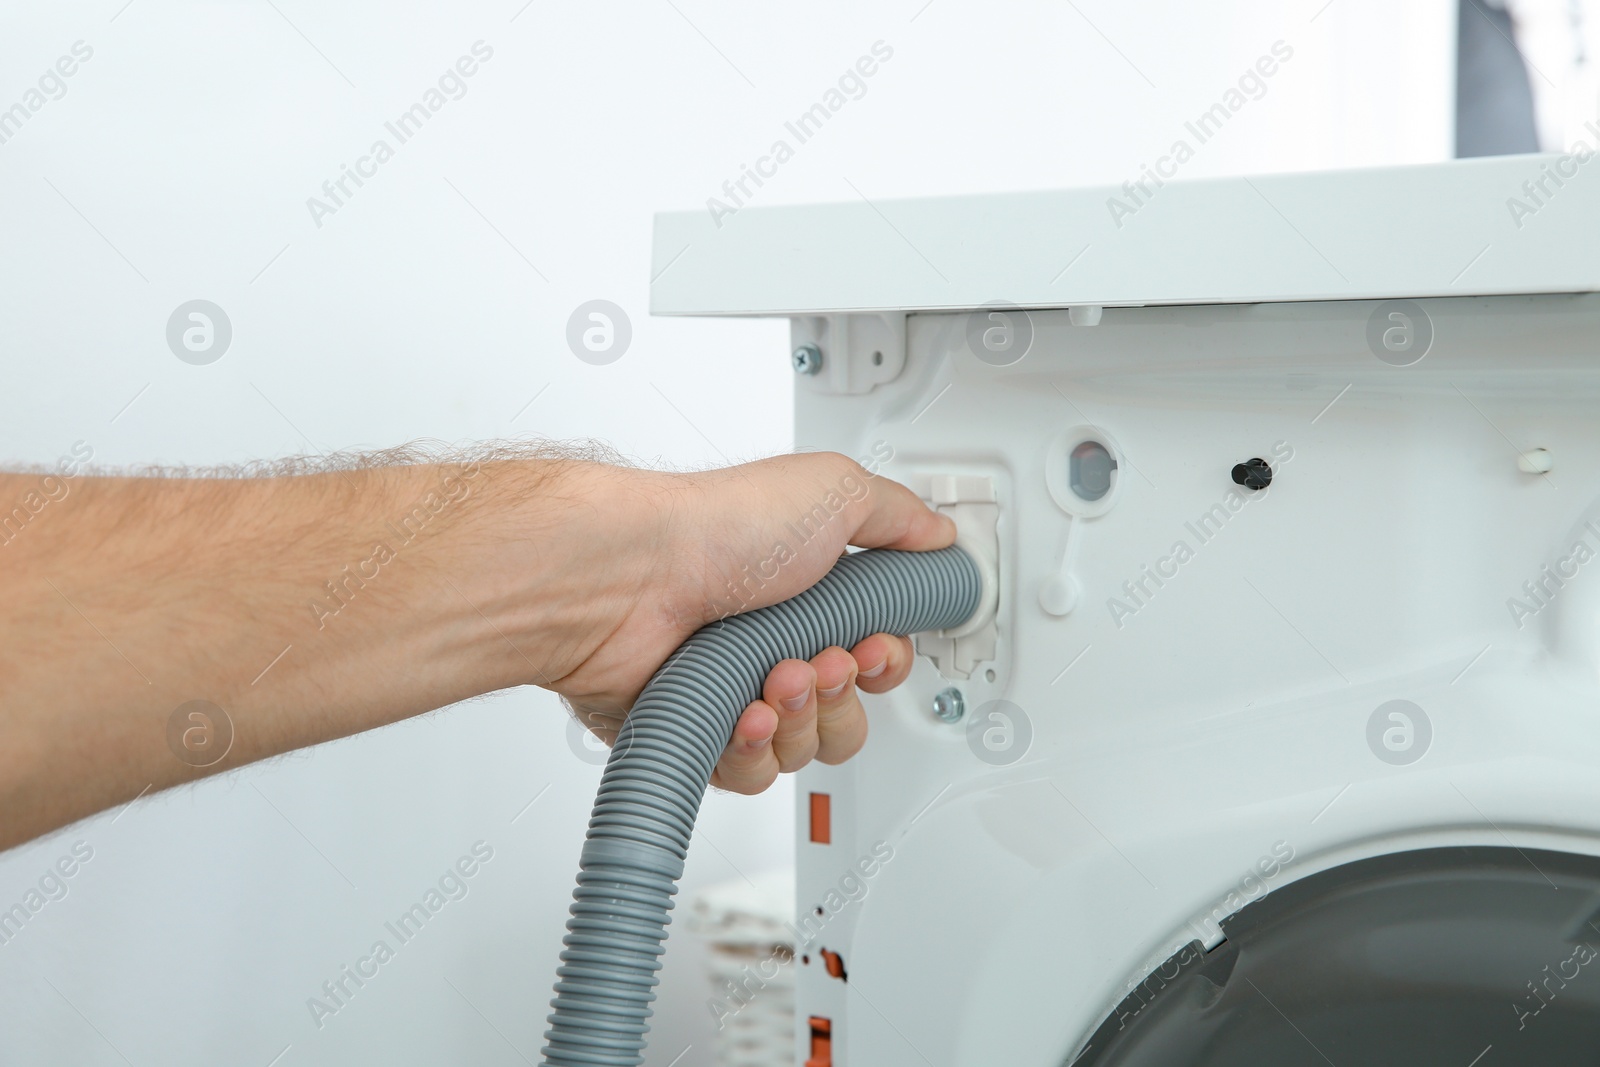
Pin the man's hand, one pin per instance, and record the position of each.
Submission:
(305, 607)
(741, 538)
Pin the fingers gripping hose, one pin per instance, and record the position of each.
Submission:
(662, 761)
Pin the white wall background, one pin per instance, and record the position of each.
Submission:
(434, 304)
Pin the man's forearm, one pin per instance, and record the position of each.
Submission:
(154, 630)
(305, 608)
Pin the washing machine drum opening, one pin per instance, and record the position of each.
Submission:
(1450, 957)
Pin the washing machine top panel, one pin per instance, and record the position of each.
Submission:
(1505, 225)
(1426, 958)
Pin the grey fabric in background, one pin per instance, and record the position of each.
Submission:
(1494, 100)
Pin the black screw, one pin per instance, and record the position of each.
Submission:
(1252, 473)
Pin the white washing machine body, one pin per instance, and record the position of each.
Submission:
(1293, 486)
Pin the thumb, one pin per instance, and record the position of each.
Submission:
(892, 516)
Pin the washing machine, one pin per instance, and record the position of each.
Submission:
(1283, 744)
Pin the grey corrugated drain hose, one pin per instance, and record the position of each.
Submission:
(662, 761)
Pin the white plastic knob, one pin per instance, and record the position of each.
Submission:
(1058, 595)
(1536, 461)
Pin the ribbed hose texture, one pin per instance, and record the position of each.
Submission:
(661, 764)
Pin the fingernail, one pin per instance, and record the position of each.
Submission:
(874, 672)
(829, 694)
(795, 703)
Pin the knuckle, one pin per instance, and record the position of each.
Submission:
(840, 712)
(750, 780)
(737, 779)
(840, 463)
(839, 753)
(792, 761)
(830, 709)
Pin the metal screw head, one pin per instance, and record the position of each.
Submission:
(807, 359)
(949, 705)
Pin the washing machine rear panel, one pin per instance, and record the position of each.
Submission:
(1198, 691)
